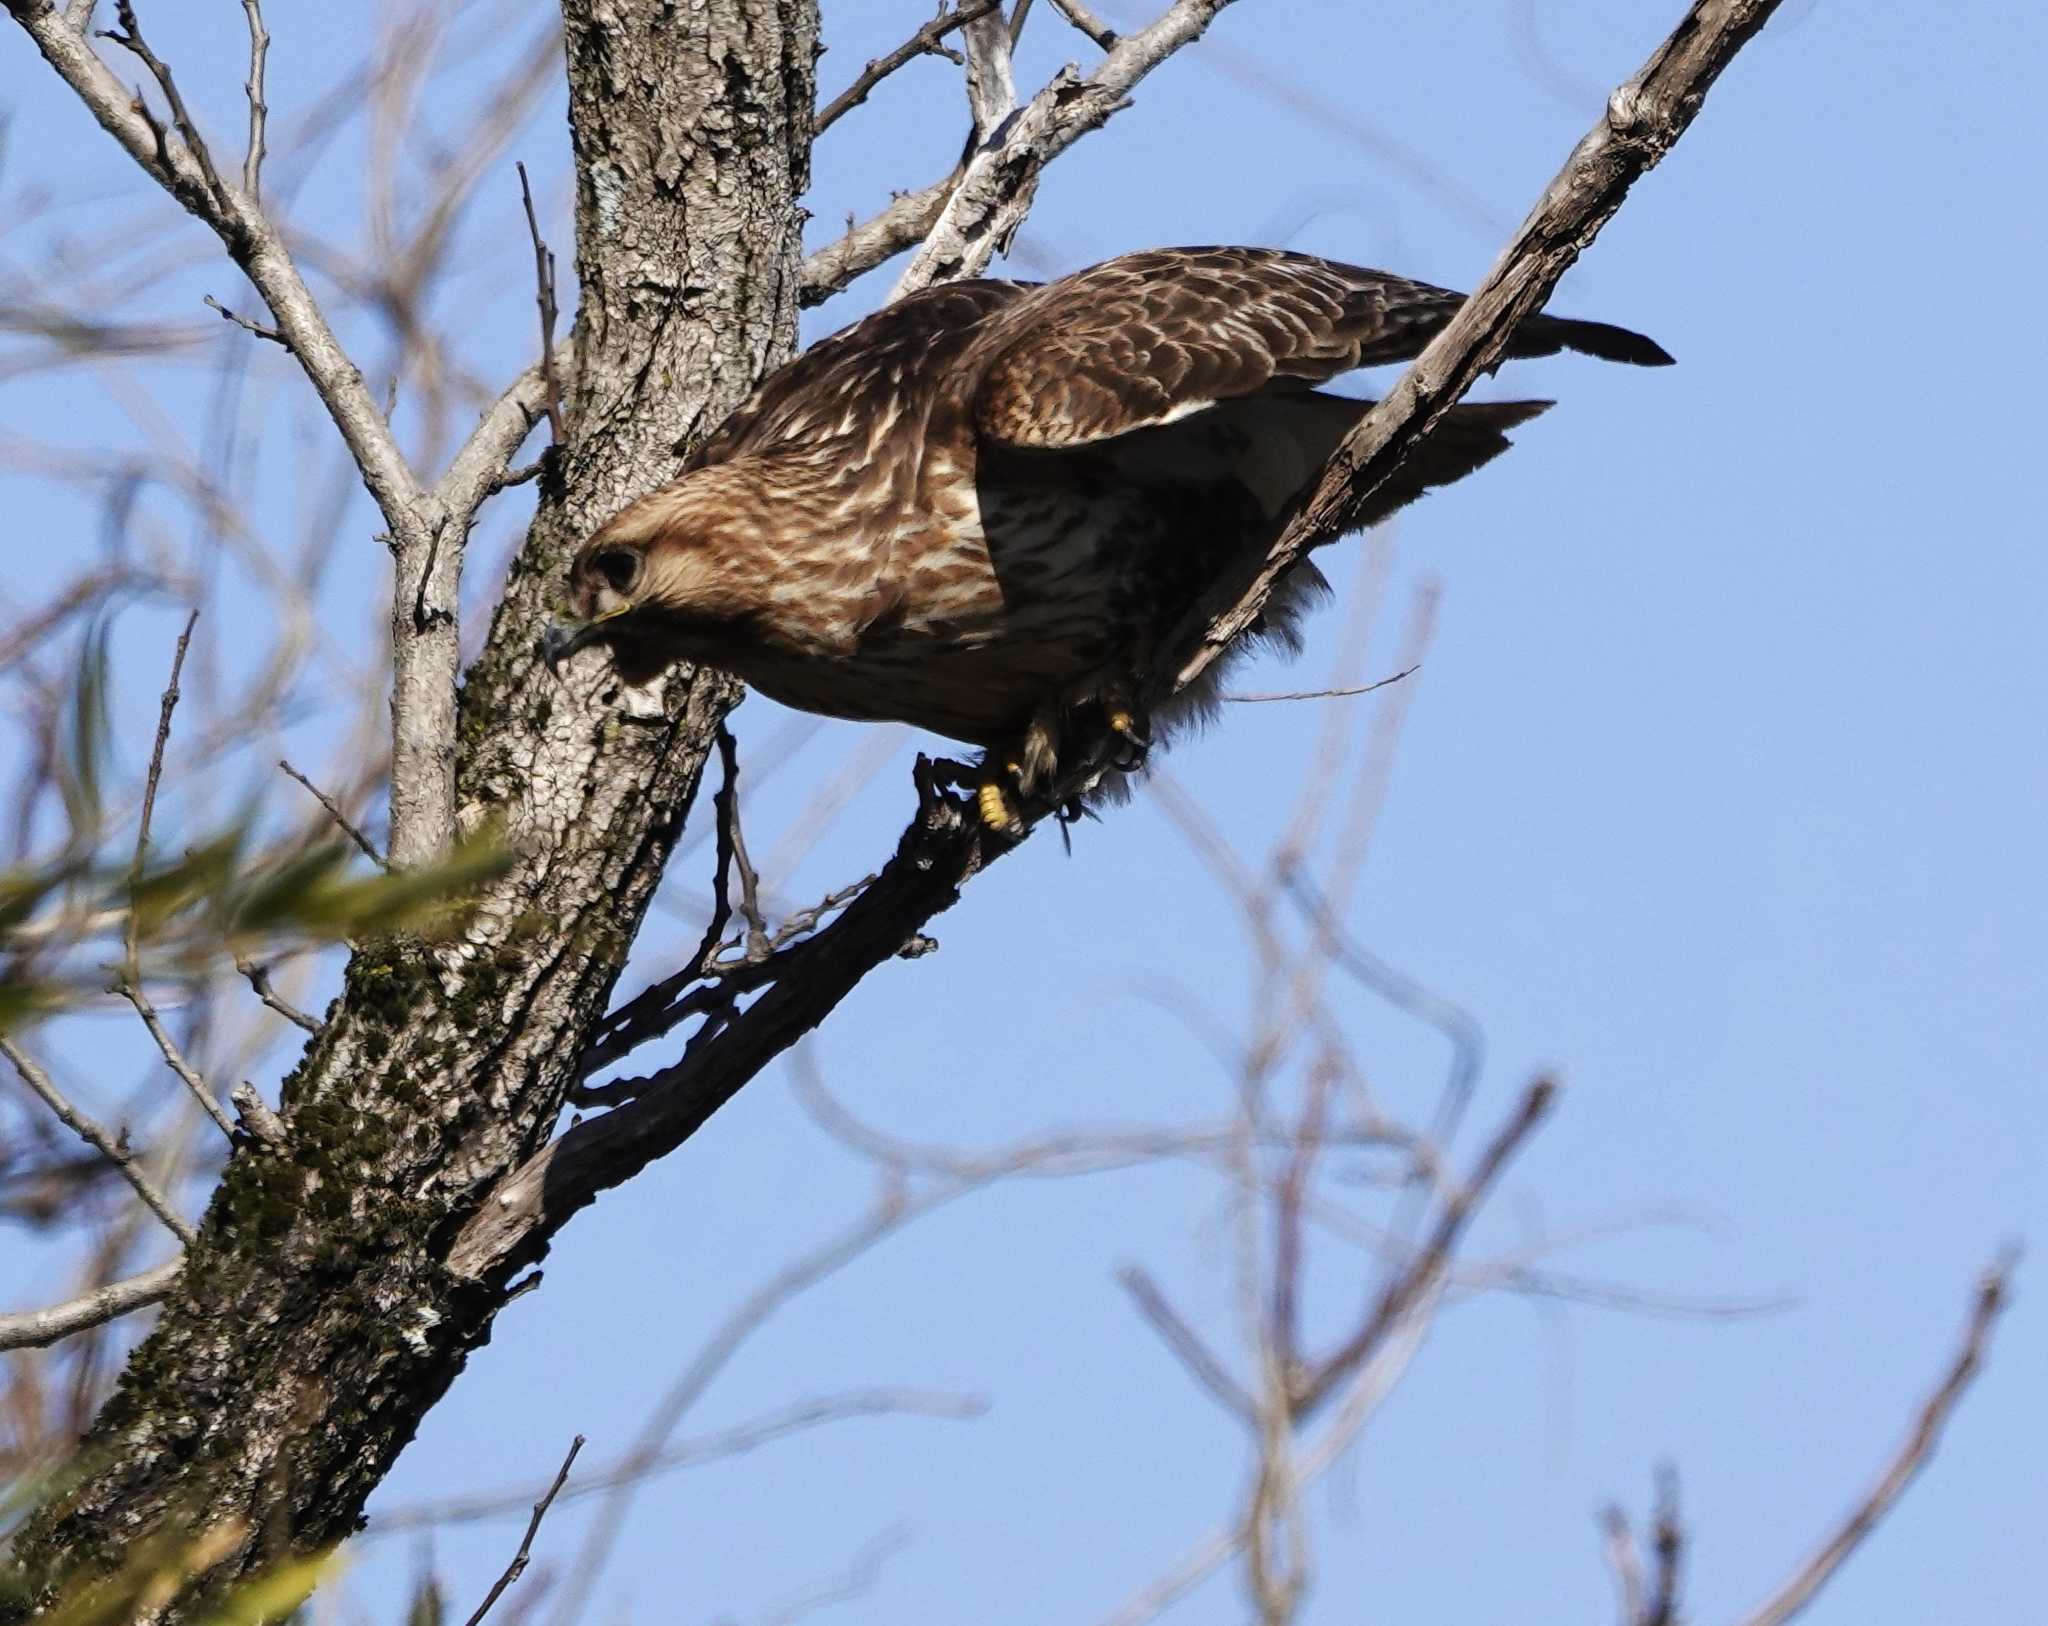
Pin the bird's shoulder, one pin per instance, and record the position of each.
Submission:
(862, 375)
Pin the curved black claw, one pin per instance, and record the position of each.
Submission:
(1135, 735)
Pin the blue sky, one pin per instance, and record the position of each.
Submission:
(1721, 791)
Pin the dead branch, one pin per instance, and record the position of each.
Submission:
(174, 1058)
(517, 1567)
(927, 41)
(1088, 23)
(259, 110)
(1185, 1342)
(1644, 118)
(1994, 1293)
(37, 1329)
(995, 191)
(426, 532)
(899, 226)
(1429, 1265)
(1322, 694)
(114, 1149)
(244, 323)
(737, 1441)
(334, 812)
(259, 979)
(544, 297)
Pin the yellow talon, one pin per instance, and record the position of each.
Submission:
(998, 812)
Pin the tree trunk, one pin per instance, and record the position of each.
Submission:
(316, 1320)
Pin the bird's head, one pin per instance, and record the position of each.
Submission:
(655, 579)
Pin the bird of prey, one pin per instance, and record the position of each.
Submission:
(979, 509)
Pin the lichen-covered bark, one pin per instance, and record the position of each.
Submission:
(316, 1321)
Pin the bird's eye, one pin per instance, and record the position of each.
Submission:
(620, 568)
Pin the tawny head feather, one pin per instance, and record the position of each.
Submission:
(668, 573)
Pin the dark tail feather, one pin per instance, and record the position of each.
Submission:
(1546, 335)
(1470, 436)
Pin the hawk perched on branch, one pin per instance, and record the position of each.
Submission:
(977, 509)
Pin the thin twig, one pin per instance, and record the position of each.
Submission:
(1994, 1291)
(1185, 1342)
(1429, 1264)
(38, 1329)
(516, 477)
(544, 297)
(1618, 1541)
(925, 42)
(246, 325)
(165, 706)
(259, 979)
(758, 945)
(259, 110)
(799, 1417)
(174, 1058)
(517, 1567)
(1320, 694)
(1667, 1547)
(336, 814)
(129, 36)
(129, 985)
(114, 1150)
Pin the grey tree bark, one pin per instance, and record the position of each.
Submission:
(444, 1065)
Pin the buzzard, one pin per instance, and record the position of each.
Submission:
(977, 509)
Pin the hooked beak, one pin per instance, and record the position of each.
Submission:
(563, 638)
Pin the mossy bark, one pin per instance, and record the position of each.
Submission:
(316, 1321)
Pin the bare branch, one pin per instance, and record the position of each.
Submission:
(259, 110)
(1644, 117)
(991, 82)
(129, 36)
(855, 1581)
(901, 225)
(245, 324)
(925, 42)
(37, 1329)
(1667, 1547)
(165, 706)
(482, 466)
(544, 297)
(259, 979)
(742, 1438)
(428, 552)
(174, 1058)
(1320, 694)
(1085, 20)
(995, 192)
(1185, 1342)
(115, 1151)
(1994, 1293)
(335, 813)
(1429, 1265)
(1618, 1542)
(517, 1567)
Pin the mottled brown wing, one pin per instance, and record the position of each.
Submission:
(861, 375)
(1149, 338)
